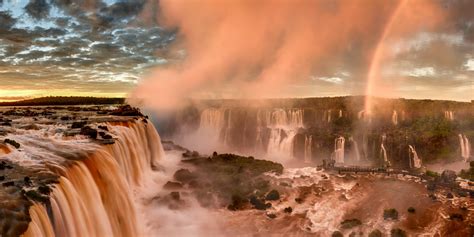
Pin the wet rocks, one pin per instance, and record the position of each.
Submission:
(170, 185)
(375, 233)
(448, 176)
(88, 131)
(238, 203)
(78, 124)
(397, 232)
(259, 204)
(103, 127)
(271, 215)
(390, 214)
(337, 234)
(273, 195)
(350, 223)
(411, 210)
(126, 110)
(288, 210)
(449, 195)
(456, 217)
(12, 142)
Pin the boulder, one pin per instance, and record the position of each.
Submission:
(12, 142)
(411, 210)
(350, 223)
(456, 217)
(79, 124)
(375, 233)
(337, 234)
(238, 203)
(397, 232)
(273, 195)
(390, 214)
(288, 210)
(259, 204)
(170, 185)
(271, 215)
(448, 176)
(88, 131)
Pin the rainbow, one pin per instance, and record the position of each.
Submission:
(377, 58)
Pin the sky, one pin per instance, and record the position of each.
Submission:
(232, 48)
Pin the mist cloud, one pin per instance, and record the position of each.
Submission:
(257, 48)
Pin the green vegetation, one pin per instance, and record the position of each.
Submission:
(233, 179)
(432, 174)
(469, 173)
(65, 100)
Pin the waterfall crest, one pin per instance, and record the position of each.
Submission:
(94, 195)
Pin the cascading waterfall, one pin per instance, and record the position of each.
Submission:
(340, 113)
(308, 142)
(415, 161)
(356, 148)
(94, 195)
(449, 115)
(228, 128)
(465, 147)
(383, 152)
(284, 125)
(339, 150)
(360, 114)
(212, 122)
(394, 117)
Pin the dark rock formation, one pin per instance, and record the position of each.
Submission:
(273, 195)
(375, 233)
(390, 214)
(88, 131)
(12, 142)
(350, 223)
(398, 233)
(172, 185)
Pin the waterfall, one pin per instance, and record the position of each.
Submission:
(308, 142)
(356, 148)
(340, 113)
(339, 150)
(228, 128)
(360, 114)
(383, 152)
(281, 143)
(93, 196)
(283, 126)
(449, 115)
(329, 115)
(212, 122)
(415, 161)
(465, 147)
(394, 117)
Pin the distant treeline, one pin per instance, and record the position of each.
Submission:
(65, 100)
